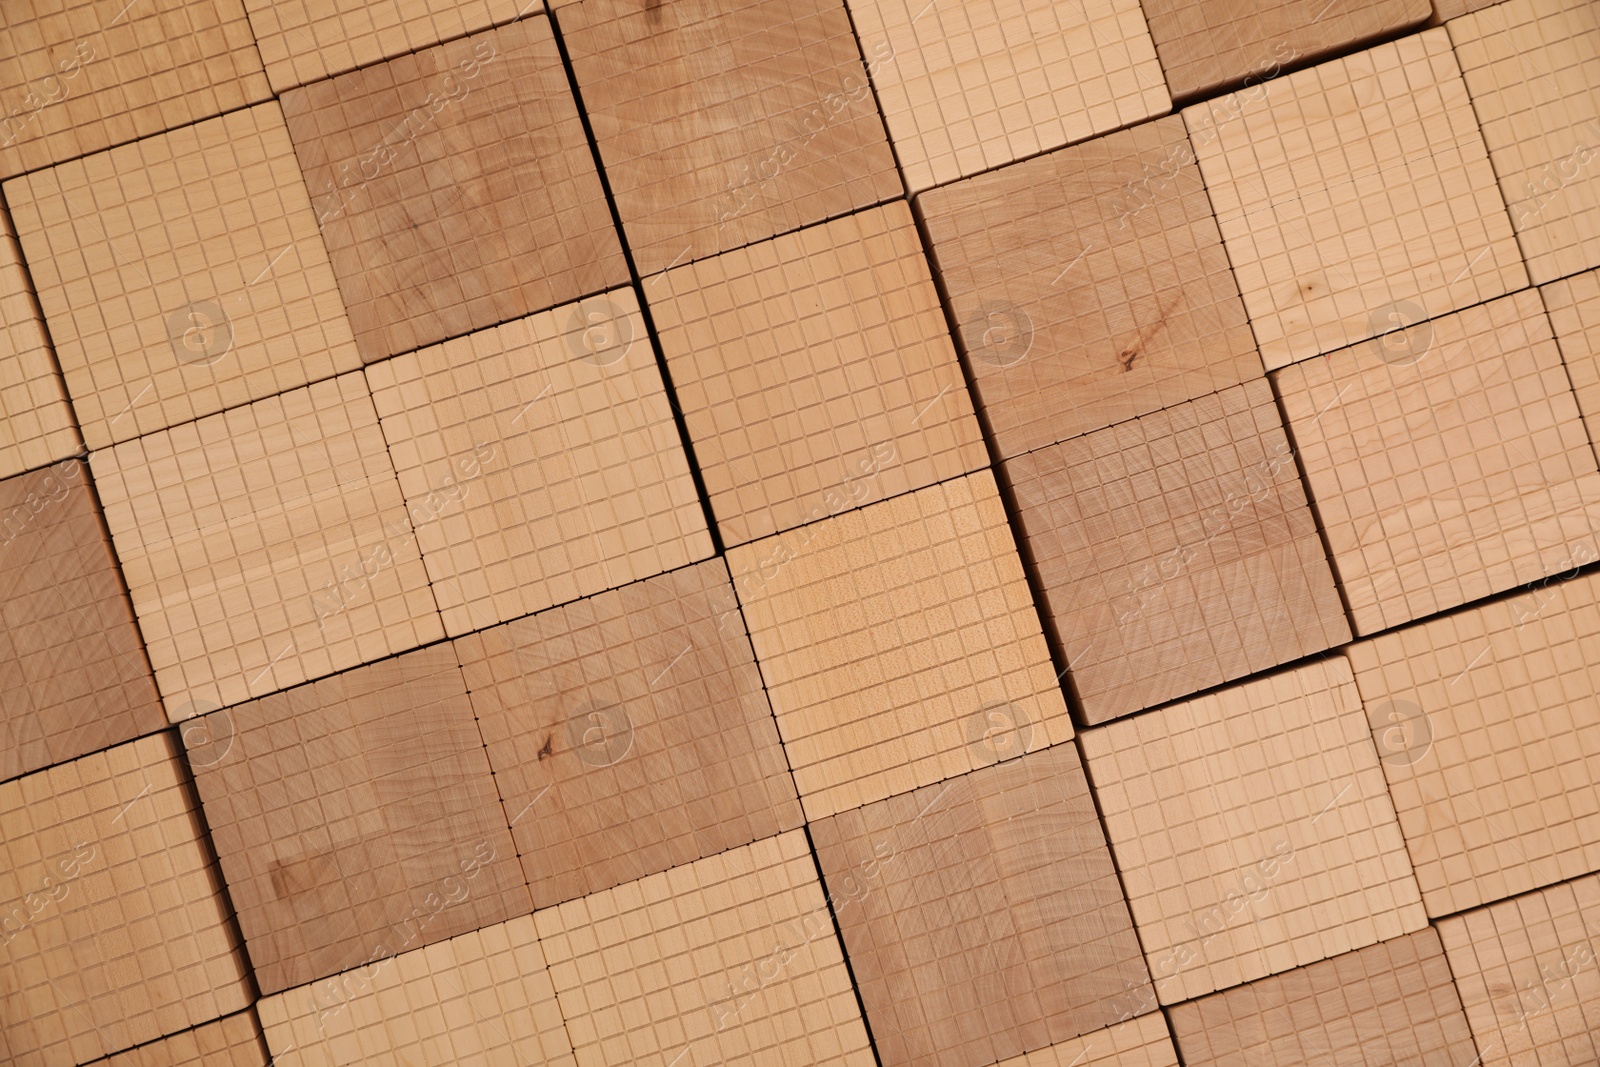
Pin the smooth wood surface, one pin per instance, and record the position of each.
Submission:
(815, 372)
(982, 914)
(1090, 286)
(454, 188)
(1176, 551)
(231, 1042)
(1140, 1042)
(1574, 308)
(36, 424)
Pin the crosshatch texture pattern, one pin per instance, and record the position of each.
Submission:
(36, 423)
(1140, 1042)
(231, 1042)
(1574, 307)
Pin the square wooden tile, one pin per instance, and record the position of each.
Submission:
(231, 1042)
(113, 932)
(540, 461)
(982, 914)
(815, 372)
(1176, 551)
(455, 188)
(732, 958)
(265, 546)
(1091, 286)
(979, 85)
(1574, 307)
(1533, 69)
(36, 425)
(1253, 830)
(73, 674)
(629, 733)
(1447, 460)
(1350, 187)
(182, 275)
(726, 123)
(1526, 969)
(1139, 1042)
(1491, 754)
(306, 40)
(77, 76)
(899, 644)
(1207, 44)
(481, 997)
(1392, 1002)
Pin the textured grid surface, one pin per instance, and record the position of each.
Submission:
(982, 914)
(966, 87)
(73, 678)
(1449, 9)
(729, 959)
(1528, 975)
(726, 123)
(231, 1042)
(480, 998)
(1391, 1003)
(895, 641)
(265, 546)
(354, 813)
(629, 733)
(815, 372)
(1176, 551)
(1090, 286)
(36, 425)
(182, 275)
(1351, 186)
(1533, 69)
(540, 461)
(454, 188)
(1494, 752)
(77, 76)
(1139, 1042)
(112, 933)
(1253, 830)
(1574, 307)
(1447, 460)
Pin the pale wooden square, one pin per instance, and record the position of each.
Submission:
(36, 424)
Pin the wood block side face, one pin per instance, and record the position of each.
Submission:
(36, 423)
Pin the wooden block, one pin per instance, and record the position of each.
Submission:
(1447, 459)
(36, 424)
(1207, 44)
(1139, 1042)
(722, 124)
(1253, 830)
(455, 188)
(1176, 551)
(1389, 1003)
(1533, 69)
(540, 461)
(1449, 9)
(73, 675)
(306, 40)
(77, 76)
(1574, 307)
(975, 87)
(1348, 187)
(113, 932)
(1091, 286)
(732, 958)
(265, 546)
(1527, 973)
(355, 818)
(815, 372)
(629, 733)
(232, 1042)
(1494, 696)
(983, 915)
(481, 997)
(899, 644)
(182, 275)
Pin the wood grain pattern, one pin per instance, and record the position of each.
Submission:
(629, 733)
(726, 123)
(36, 424)
(1392, 1003)
(899, 645)
(1574, 308)
(1139, 1042)
(454, 188)
(231, 1042)
(1176, 551)
(113, 932)
(182, 275)
(982, 915)
(1447, 460)
(1350, 186)
(540, 461)
(1090, 285)
(356, 817)
(815, 372)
